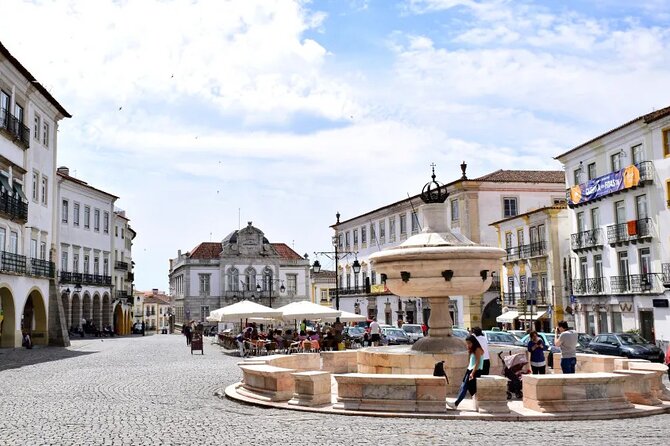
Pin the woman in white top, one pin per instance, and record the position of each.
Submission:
(481, 337)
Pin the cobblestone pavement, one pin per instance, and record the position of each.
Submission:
(152, 391)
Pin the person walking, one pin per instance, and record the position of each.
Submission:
(187, 333)
(375, 332)
(481, 337)
(566, 340)
(536, 348)
(475, 368)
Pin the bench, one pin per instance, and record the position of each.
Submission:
(344, 361)
(579, 392)
(311, 389)
(491, 394)
(266, 382)
(391, 393)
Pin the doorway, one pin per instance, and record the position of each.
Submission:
(647, 325)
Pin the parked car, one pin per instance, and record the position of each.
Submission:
(414, 332)
(626, 344)
(518, 333)
(583, 341)
(395, 336)
(354, 333)
(458, 332)
(137, 328)
(500, 337)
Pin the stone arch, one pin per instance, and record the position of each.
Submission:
(267, 278)
(75, 310)
(34, 318)
(65, 299)
(86, 307)
(106, 310)
(491, 311)
(97, 311)
(8, 315)
(250, 279)
(118, 320)
(233, 277)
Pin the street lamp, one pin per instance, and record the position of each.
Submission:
(282, 288)
(337, 255)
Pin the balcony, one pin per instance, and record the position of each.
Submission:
(586, 240)
(637, 283)
(42, 268)
(13, 208)
(14, 129)
(666, 274)
(596, 285)
(121, 265)
(130, 277)
(122, 294)
(610, 184)
(85, 279)
(12, 263)
(527, 251)
(630, 232)
(520, 298)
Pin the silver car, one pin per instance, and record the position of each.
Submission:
(414, 332)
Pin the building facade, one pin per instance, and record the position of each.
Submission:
(619, 193)
(472, 205)
(531, 278)
(29, 118)
(245, 265)
(152, 308)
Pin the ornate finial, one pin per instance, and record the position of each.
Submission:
(463, 167)
(338, 217)
(433, 191)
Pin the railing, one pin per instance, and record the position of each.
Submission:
(121, 265)
(646, 169)
(636, 283)
(13, 263)
(519, 298)
(510, 298)
(525, 251)
(42, 268)
(666, 274)
(14, 208)
(351, 290)
(630, 231)
(65, 277)
(85, 279)
(122, 294)
(587, 239)
(595, 285)
(12, 125)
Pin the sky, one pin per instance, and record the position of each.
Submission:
(203, 115)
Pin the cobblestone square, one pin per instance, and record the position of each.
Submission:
(152, 391)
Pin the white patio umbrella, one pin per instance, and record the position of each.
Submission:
(347, 317)
(244, 310)
(307, 310)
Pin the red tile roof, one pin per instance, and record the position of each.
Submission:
(155, 300)
(524, 176)
(286, 252)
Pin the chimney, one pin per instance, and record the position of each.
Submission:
(64, 170)
(155, 291)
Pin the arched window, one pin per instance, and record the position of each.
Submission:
(267, 279)
(250, 279)
(233, 279)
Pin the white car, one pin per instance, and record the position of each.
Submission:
(414, 332)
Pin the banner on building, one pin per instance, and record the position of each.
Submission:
(605, 185)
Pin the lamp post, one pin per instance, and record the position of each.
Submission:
(337, 255)
(282, 288)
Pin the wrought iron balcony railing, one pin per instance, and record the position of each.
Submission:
(13, 208)
(526, 251)
(637, 283)
(12, 263)
(42, 268)
(12, 126)
(592, 238)
(595, 285)
(631, 231)
(666, 274)
(121, 265)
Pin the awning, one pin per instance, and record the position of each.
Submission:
(526, 317)
(508, 318)
(19, 190)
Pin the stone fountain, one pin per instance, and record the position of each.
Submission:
(435, 264)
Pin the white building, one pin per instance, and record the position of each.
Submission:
(536, 244)
(152, 308)
(29, 118)
(619, 193)
(472, 205)
(245, 265)
(122, 242)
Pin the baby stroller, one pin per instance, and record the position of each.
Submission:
(514, 366)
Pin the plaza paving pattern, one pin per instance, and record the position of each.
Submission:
(152, 391)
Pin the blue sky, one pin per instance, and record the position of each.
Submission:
(284, 112)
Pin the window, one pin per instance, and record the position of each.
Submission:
(533, 235)
(204, 312)
(373, 233)
(14, 242)
(355, 237)
(339, 241)
(598, 266)
(292, 284)
(645, 261)
(403, 224)
(541, 233)
(86, 262)
(641, 207)
(373, 277)
(382, 231)
(45, 134)
(33, 248)
(75, 214)
(37, 127)
(204, 284)
(620, 212)
(454, 210)
(233, 279)
(116, 231)
(508, 240)
(36, 191)
(43, 251)
(4, 102)
(250, 279)
(96, 266)
(623, 263)
(392, 229)
(3, 235)
(18, 112)
(519, 237)
(583, 268)
(364, 235)
(591, 170)
(347, 239)
(45, 189)
(96, 220)
(267, 279)
(348, 281)
(63, 260)
(105, 267)
(415, 223)
(75, 262)
(617, 322)
(87, 217)
(581, 224)
(577, 175)
(666, 142)
(105, 223)
(509, 207)
(595, 218)
(616, 161)
(638, 154)
(65, 211)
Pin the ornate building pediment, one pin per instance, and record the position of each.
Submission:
(248, 241)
